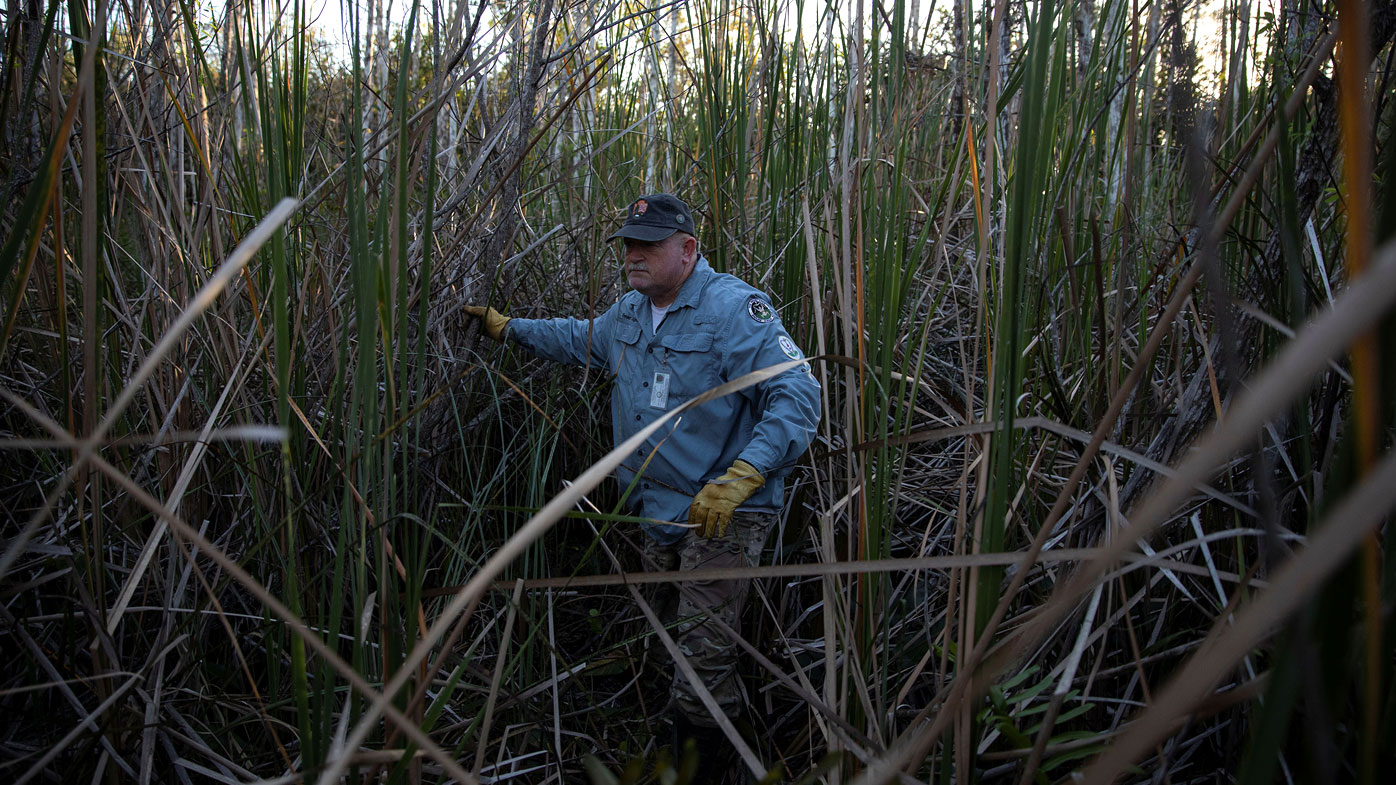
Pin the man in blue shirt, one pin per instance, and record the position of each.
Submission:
(712, 485)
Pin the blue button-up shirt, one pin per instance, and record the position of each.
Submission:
(717, 329)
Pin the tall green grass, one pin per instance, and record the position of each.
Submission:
(991, 235)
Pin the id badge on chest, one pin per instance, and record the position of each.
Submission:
(659, 391)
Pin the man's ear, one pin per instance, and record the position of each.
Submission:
(690, 247)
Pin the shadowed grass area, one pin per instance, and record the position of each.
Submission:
(1100, 295)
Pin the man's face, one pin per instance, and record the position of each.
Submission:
(658, 270)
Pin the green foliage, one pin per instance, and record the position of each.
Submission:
(980, 316)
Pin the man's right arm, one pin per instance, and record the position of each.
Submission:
(573, 341)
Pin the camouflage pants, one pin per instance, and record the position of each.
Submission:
(708, 649)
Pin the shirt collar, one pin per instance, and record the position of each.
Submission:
(688, 293)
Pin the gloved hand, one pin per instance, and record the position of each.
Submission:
(491, 320)
(712, 508)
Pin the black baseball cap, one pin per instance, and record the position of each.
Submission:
(654, 217)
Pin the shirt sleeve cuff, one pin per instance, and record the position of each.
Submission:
(757, 463)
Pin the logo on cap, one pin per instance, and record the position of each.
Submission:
(641, 206)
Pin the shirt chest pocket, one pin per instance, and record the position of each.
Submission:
(690, 361)
(625, 348)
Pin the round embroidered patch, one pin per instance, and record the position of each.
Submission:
(760, 311)
(788, 346)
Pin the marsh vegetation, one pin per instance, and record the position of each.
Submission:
(1101, 295)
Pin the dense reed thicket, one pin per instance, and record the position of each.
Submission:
(1101, 290)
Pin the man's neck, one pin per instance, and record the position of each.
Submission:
(667, 299)
(657, 314)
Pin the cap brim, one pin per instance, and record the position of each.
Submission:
(648, 234)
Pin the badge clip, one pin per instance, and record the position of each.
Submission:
(659, 391)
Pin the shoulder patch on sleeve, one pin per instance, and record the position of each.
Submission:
(788, 346)
(761, 313)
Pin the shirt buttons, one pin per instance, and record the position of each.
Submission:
(650, 349)
(637, 417)
(646, 384)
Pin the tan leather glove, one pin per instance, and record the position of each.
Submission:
(712, 508)
(491, 320)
